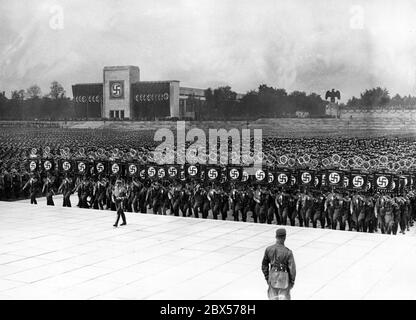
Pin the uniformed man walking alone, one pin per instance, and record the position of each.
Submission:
(119, 194)
(279, 268)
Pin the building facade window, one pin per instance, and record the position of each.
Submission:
(182, 103)
(117, 114)
(190, 107)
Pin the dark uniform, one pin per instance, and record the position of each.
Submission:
(77, 189)
(205, 203)
(7, 184)
(198, 201)
(388, 216)
(280, 257)
(185, 202)
(174, 197)
(48, 190)
(84, 192)
(237, 206)
(16, 183)
(101, 193)
(215, 201)
(329, 209)
(404, 214)
(260, 198)
(33, 189)
(119, 194)
(337, 216)
(2, 191)
(357, 209)
(271, 208)
(224, 205)
(308, 206)
(370, 217)
(66, 189)
(346, 213)
(250, 204)
(318, 211)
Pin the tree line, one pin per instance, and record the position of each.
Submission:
(380, 98)
(264, 102)
(221, 103)
(30, 104)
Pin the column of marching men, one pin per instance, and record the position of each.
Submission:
(297, 206)
(387, 212)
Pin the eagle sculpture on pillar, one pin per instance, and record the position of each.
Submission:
(333, 94)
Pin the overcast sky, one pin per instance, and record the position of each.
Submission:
(298, 45)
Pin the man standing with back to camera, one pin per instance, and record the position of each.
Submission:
(279, 268)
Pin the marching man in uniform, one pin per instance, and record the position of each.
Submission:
(32, 184)
(119, 194)
(48, 190)
(66, 189)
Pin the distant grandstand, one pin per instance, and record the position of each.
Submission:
(388, 112)
(380, 112)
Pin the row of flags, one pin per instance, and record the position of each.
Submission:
(353, 180)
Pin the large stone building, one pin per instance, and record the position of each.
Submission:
(122, 95)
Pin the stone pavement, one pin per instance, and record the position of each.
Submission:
(72, 253)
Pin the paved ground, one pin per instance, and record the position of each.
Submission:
(71, 253)
(74, 200)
